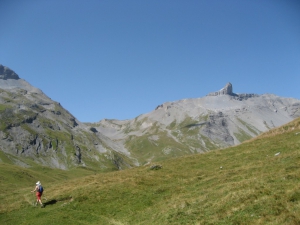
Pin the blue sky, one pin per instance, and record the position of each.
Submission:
(119, 59)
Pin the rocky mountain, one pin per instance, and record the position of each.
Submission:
(189, 126)
(37, 130)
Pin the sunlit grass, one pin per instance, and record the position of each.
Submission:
(254, 183)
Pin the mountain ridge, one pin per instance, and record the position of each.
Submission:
(36, 129)
(7, 73)
(208, 123)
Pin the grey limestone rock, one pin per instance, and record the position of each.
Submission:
(6, 73)
(227, 90)
(35, 127)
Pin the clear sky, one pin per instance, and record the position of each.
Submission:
(117, 59)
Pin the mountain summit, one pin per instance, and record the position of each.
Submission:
(9, 80)
(220, 119)
(6, 73)
(227, 90)
(37, 130)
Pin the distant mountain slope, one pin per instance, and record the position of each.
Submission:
(37, 130)
(218, 120)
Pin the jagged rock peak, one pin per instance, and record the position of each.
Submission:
(6, 73)
(227, 90)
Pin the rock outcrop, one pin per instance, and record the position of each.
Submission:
(227, 90)
(6, 73)
(188, 126)
(34, 128)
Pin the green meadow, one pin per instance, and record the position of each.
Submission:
(256, 182)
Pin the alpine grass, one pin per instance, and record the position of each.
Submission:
(256, 182)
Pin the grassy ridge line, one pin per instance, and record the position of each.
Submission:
(246, 184)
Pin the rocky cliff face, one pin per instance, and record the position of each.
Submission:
(6, 73)
(188, 126)
(227, 90)
(36, 130)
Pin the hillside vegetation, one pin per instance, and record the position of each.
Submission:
(256, 182)
(36, 131)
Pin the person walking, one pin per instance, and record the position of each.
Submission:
(38, 192)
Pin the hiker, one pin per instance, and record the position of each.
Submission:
(39, 191)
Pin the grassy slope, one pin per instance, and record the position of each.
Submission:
(246, 184)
